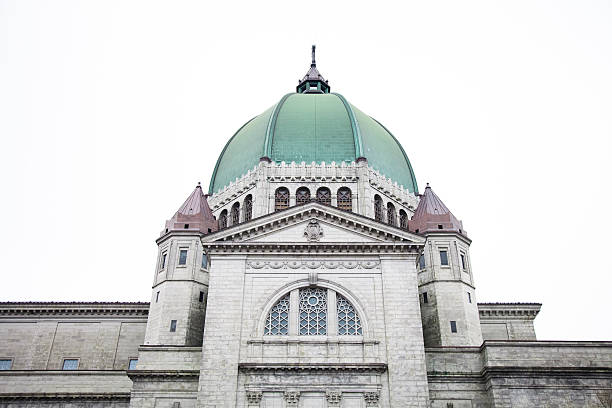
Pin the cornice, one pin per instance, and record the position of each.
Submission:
(311, 248)
(360, 367)
(163, 375)
(64, 396)
(521, 311)
(87, 309)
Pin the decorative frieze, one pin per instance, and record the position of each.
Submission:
(312, 264)
(74, 309)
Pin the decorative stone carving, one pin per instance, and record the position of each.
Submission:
(605, 398)
(371, 398)
(292, 398)
(277, 264)
(333, 398)
(254, 398)
(313, 231)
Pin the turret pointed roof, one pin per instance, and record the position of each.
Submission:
(432, 215)
(194, 215)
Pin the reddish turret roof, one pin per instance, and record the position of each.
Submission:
(194, 215)
(432, 215)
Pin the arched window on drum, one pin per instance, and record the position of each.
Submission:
(281, 199)
(223, 219)
(345, 199)
(302, 195)
(403, 219)
(235, 213)
(247, 207)
(378, 209)
(391, 217)
(324, 196)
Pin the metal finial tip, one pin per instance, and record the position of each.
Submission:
(428, 185)
(199, 184)
(314, 63)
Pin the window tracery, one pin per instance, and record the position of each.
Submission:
(277, 323)
(348, 319)
(313, 312)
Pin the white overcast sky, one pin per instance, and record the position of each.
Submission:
(112, 111)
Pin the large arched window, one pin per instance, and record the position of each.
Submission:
(403, 218)
(302, 195)
(247, 207)
(391, 217)
(313, 305)
(281, 199)
(324, 196)
(345, 199)
(223, 219)
(378, 208)
(235, 213)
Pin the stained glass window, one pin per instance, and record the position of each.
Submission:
(277, 323)
(313, 312)
(348, 319)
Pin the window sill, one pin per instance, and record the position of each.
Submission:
(313, 340)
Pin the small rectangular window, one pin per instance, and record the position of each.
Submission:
(201, 299)
(204, 261)
(425, 299)
(70, 364)
(469, 297)
(172, 325)
(463, 261)
(163, 262)
(443, 258)
(422, 262)
(6, 364)
(183, 257)
(132, 363)
(453, 325)
(157, 297)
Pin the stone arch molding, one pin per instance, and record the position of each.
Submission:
(306, 283)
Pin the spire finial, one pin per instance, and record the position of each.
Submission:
(314, 63)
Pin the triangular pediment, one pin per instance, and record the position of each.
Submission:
(313, 223)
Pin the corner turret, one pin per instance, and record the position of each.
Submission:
(447, 294)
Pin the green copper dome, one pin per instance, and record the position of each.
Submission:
(313, 127)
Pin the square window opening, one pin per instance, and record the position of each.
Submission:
(186, 226)
(172, 325)
(132, 363)
(440, 226)
(6, 364)
(70, 364)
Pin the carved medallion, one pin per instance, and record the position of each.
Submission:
(313, 231)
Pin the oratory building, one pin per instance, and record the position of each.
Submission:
(313, 274)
